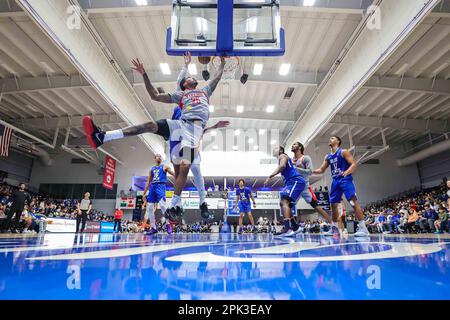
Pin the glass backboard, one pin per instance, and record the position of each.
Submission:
(233, 28)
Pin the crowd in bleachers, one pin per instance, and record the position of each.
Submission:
(423, 211)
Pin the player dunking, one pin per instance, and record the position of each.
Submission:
(189, 128)
(157, 180)
(294, 187)
(243, 196)
(305, 169)
(198, 179)
(342, 165)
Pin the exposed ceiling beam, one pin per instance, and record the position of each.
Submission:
(52, 123)
(321, 6)
(28, 84)
(362, 56)
(9, 9)
(420, 125)
(309, 79)
(434, 86)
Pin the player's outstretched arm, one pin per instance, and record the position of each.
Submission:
(148, 182)
(253, 200)
(218, 125)
(169, 171)
(347, 155)
(215, 81)
(323, 167)
(283, 163)
(161, 97)
(184, 72)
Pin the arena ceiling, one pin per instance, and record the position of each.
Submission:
(45, 94)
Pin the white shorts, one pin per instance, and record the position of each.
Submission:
(190, 134)
(306, 194)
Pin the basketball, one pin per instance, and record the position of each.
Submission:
(204, 60)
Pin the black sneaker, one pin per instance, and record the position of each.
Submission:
(204, 210)
(93, 134)
(175, 214)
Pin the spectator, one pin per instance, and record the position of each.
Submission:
(448, 195)
(412, 219)
(393, 223)
(442, 222)
(428, 218)
(118, 220)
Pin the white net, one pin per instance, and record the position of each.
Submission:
(231, 65)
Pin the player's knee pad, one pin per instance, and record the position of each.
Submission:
(314, 203)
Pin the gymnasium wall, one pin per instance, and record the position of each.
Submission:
(18, 167)
(434, 169)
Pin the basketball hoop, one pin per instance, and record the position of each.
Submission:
(231, 65)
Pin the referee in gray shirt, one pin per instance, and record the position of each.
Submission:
(83, 209)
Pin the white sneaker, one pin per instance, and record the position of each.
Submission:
(285, 233)
(362, 233)
(299, 230)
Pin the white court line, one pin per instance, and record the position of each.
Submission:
(398, 250)
(120, 252)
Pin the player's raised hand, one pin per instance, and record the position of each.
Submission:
(138, 66)
(223, 61)
(222, 124)
(187, 58)
(267, 181)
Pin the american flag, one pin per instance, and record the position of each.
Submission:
(5, 140)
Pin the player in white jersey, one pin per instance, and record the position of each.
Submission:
(188, 129)
(304, 166)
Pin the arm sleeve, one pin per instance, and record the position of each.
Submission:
(176, 96)
(207, 90)
(181, 76)
(308, 165)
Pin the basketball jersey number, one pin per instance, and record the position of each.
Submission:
(156, 175)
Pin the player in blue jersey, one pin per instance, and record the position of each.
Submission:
(156, 181)
(342, 165)
(243, 197)
(294, 187)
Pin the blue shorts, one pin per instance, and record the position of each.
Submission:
(157, 193)
(244, 206)
(340, 187)
(293, 190)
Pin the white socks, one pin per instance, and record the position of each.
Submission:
(162, 205)
(362, 225)
(176, 201)
(113, 135)
(151, 217)
(199, 182)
